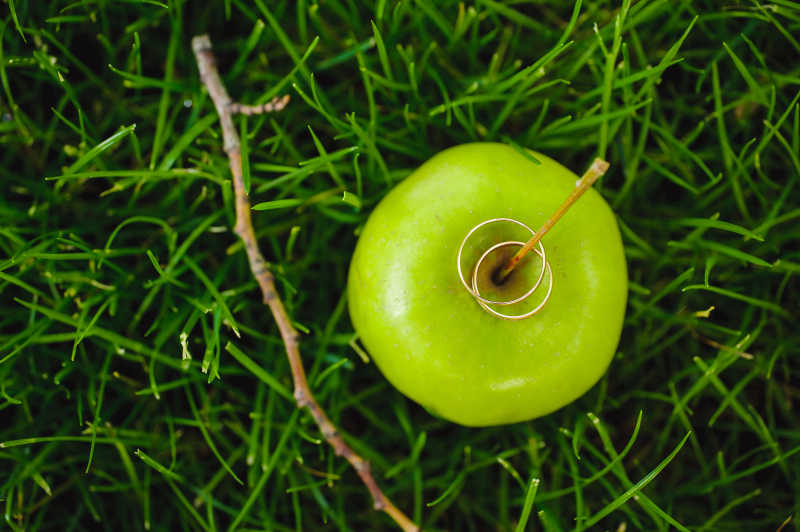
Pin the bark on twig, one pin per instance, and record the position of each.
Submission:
(201, 45)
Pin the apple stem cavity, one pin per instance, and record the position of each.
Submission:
(595, 171)
(226, 108)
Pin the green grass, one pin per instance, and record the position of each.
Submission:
(143, 383)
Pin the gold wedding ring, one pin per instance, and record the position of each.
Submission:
(475, 292)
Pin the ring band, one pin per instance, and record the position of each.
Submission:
(474, 291)
(512, 316)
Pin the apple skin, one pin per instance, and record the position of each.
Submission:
(429, 336)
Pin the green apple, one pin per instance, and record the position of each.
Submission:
(428, 334)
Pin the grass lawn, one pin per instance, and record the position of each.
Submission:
(143, 383)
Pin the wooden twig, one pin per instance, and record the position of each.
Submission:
(201, 45)
(598, 168)
(272, 106)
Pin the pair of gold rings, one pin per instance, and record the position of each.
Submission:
(475, 292)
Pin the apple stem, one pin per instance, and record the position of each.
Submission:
(226, 108)
(595, 171)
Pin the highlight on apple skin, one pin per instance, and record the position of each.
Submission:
(429, 336)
